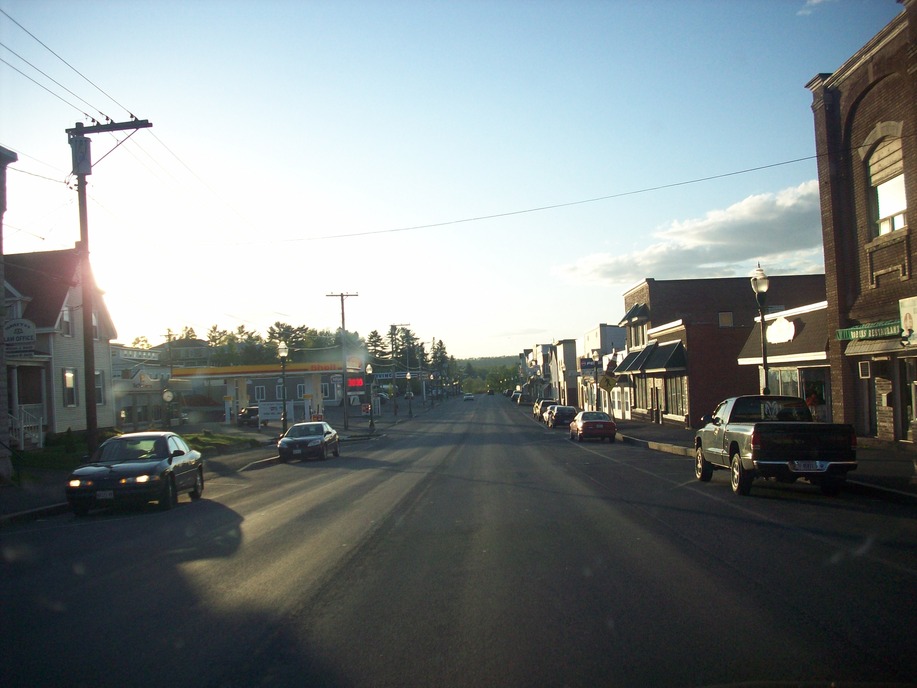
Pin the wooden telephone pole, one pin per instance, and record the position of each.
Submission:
(82, 166)
(344, 356)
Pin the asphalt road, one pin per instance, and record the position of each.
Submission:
(468, 547)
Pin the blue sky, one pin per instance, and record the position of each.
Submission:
(495, 174)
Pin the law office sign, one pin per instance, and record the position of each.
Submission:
(19, 337)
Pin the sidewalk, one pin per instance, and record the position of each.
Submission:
(882, 466)
(885, 469)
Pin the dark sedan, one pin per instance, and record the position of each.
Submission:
(593, 424)
(561, 416)
(309, 440)
(137, 468)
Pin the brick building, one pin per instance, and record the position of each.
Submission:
(684, 339)
(865, 121)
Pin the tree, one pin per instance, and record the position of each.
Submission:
(140, 343)
(375, 346)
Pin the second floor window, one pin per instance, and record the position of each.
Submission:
(66, 322)
(886, 178)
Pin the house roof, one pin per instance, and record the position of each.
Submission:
(45, 278)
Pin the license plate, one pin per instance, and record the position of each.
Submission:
(805, 466)
(297, 451)
(105, 494)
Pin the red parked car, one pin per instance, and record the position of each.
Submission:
(593, 424)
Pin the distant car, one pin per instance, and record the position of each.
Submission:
(490, 392)
(540, 407)
(561, 416)
(137, 468)
(468, 397)
(308, 440)
(593, 424)
(248, 416)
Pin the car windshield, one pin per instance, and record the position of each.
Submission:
(311, 430)
(131, 449)
(595, 415)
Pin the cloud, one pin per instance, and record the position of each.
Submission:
(782, 230)
(810, 6)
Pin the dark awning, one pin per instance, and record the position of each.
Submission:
(636, 313)
(634, 361)
(666, 357)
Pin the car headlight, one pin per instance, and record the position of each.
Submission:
(314, 443)
(138, 479)
(77, 482)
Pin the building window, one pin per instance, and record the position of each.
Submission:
(300, 391)
(279, 392)
(100, 389)
(326, 390)
(886, 178)
(638, 335)
(95, 326)
(676, 396)
(260, 393)
(725, 318)
(69, 388)
(66, 322)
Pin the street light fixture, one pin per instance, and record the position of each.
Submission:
(372, 401)
(409, 394)
(283, 351)
(760, 284)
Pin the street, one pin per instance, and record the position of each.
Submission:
(469, 546)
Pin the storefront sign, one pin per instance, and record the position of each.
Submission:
(19, 336)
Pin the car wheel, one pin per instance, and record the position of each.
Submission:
(168, 497)
(740, 479)
(703, 471)
(611, 439)
(337, 448)
(323, 454)
(579, 436)
(198, 488)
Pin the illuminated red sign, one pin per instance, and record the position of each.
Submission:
(354, 382)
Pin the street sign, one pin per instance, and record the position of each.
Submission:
(608, 382)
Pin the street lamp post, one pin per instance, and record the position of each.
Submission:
(432, 390)
(597, 359)
(283, 351)
(409, 394)
(372, 402)
(760, 284)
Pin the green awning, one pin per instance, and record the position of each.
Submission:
(885, 328)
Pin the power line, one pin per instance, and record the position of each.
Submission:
(84, 77)
(49, 77)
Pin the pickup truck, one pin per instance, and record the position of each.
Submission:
(773, 437)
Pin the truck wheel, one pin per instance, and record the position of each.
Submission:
(739, 477)
(703, 471)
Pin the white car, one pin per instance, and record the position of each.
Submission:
(468, 397)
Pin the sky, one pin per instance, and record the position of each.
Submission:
(492, 174)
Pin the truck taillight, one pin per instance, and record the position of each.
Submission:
(755, 440)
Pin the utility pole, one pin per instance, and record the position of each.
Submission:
(346, 401)
(393, 388)
(82, 166)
